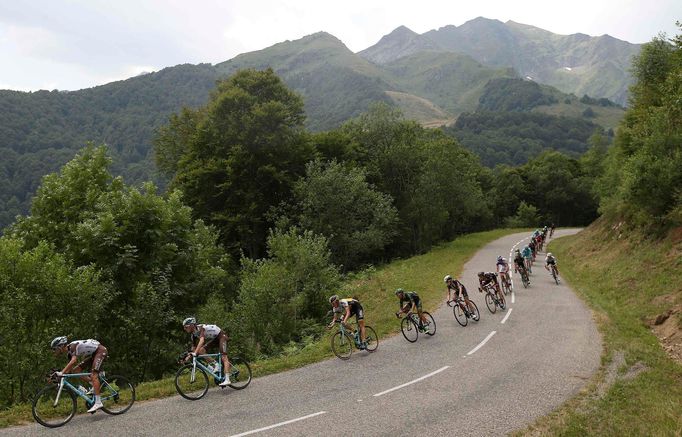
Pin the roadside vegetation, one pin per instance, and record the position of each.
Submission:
(629, 280)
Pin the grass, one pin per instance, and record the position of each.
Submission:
(627, 280)
(375, 287)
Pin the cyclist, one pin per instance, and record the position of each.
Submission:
(352, 307)
(490, 278)
(519, 262)
(528, 257)
(92, 354)
(533, 248)
(503, 270)
(550, 260)
(208, 336)
(412, 302)
(551, 229)
(457, 286)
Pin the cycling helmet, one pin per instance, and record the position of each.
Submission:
(518, 250)
(57, 341)
(189, 321)
(499, 258)
(549, 253)
(481, 274)
(399, 291)
(446, 278)
(333, 298)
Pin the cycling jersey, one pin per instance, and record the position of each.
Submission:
(355, 307)
(550, 260)
(502, 266)
(519, 260)
(82, 348)
(527, 252)
(411, 297)
(210, 331)
(457, 286)
(488, 278)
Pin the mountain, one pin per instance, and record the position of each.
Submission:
(40, 131)
(577, 64)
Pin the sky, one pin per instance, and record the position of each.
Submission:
(74, 44)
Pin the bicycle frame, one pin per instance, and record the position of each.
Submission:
(344, 332)
(198, 363)
(65, 383)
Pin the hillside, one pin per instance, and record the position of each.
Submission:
(40, 131)
(578, 63)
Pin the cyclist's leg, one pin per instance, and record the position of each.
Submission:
(222, 346)
(360, 317)
(97, 360)
(418, 307)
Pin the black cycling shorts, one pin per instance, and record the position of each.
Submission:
(357, 311)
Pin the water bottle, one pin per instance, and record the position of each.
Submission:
(82, 389)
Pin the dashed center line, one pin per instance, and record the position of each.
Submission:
(279, 424)
(507, 316)
(480, 345)
(411, 382)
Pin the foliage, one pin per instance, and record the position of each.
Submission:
(336, 201)
(526, 216)
(513, 138)
(644, 168)
(239, 156)
(507, 94)
(42, 296)
(284, 297)
(158, 262)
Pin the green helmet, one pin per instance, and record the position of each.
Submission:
(399, 291)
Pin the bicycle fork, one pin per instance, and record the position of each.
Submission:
(59, 392)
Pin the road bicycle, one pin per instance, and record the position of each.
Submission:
(492, 301)
(529, 265)
(524, 278)
(462, 313)
(505, 283)
(343, 340)
(554, 273)
(55, 404)
(191, 380)
(411, 325)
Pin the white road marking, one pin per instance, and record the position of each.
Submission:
(480, 345)
(507, 316)
(279, 424)
(513, 299)
(411, 382)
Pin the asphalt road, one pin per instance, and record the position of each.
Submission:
(538, 353)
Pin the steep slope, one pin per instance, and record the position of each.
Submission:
(401, 42)
(578, 63)
(336, 83)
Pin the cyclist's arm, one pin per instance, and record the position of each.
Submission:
(200, 343)
(70, 365)
(347, 315)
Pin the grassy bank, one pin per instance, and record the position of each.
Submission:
(374, 288)
(627, 281)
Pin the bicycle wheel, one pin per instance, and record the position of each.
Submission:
(410, 330)
(502, 303)
(51, 413)
(490, 303)
(240, 373)
(556, 277)
(458, 312)
(117, 394)
(191, 385)
(371, 338)
(475, 315)
(431, 323)
(342, 345)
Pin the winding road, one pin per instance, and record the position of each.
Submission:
(488, 378)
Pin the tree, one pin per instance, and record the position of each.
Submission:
(247, 150)
(526, 217)
(283, 298)
(337, 201)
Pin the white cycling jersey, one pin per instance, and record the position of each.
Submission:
(81, 348)
(502, 267)
(210, 331)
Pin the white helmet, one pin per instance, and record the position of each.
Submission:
(549, 254)
(446, 278)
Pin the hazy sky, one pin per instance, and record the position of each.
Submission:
(73, 44)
